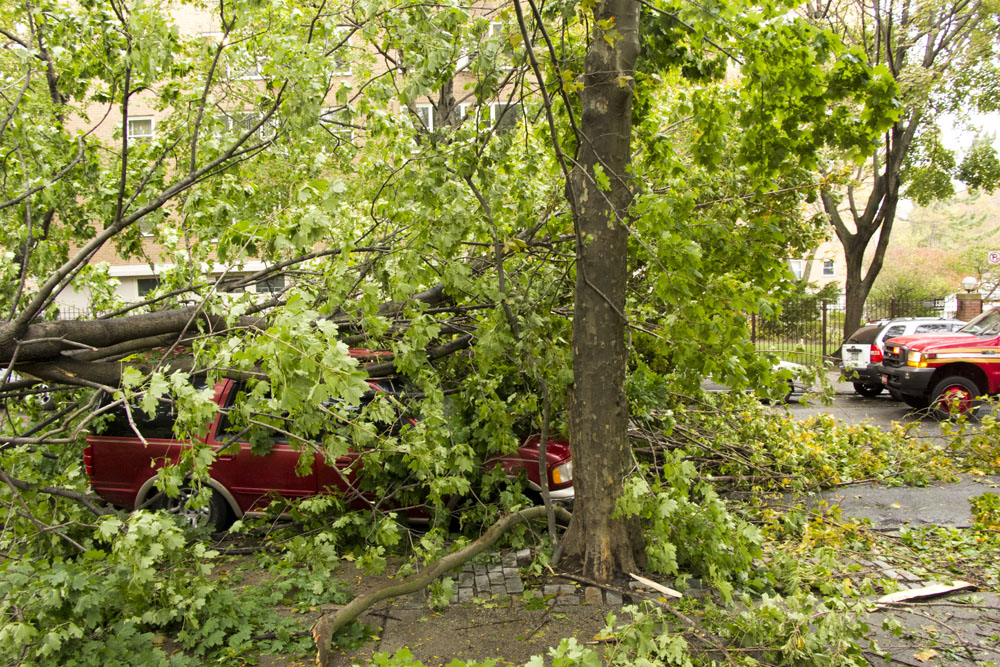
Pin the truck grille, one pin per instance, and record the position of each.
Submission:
(892, 358)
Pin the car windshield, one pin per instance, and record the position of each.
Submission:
(986, 324)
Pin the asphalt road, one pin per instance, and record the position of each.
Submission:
(890, 507)
(958, 630)
(851, 408)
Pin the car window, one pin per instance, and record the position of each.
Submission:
(260, 437)
(986, 324)
(160, 425)
(864, 335)
(894, 330)
(933, 326)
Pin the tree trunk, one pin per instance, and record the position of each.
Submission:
(597, 544)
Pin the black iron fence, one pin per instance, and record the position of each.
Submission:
(810, 331)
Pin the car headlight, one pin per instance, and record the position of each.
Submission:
(563, 473)
(916, 359)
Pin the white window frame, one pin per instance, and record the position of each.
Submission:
(130, 136)
(328, 117)
(273, 285)
(428, 108)
(797, 267)
(829, 268)
(344, 68)
(267, 131)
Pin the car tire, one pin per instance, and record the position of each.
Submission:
(895, 395)
(916, 402)
(216, 515)
(955, 396)
(867, 390)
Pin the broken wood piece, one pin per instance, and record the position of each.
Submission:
(655, 586)
(925, 592)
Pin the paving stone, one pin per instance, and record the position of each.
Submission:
(514, 586)
(496, 576)
(523, 557)
(479, 570)
(509, 559)
(482, 583)
(465, 594)
(498, 590)
(466, 579)
(592, 595)
(567, 600)
(613, 598)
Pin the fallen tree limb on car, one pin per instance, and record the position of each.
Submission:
(328, 624)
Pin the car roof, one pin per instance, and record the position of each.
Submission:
(902, 320)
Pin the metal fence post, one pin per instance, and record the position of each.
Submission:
(825, 332)
(753, 328)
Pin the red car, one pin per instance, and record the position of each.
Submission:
(123, 470)
(946, 372)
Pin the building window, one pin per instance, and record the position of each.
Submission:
(338, 50)
(796, 266)
(274, 285)
(338, 123)
(506, 115)
(425, 112)
(139, 130)
(147, 285)
(243, 121)
(828, 268)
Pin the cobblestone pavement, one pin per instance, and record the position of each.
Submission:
(501, 576)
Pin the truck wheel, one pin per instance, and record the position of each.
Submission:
(954, 396)
(916, 402)
(868, 390)
(215, 515)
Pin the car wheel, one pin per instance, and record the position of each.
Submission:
(896, 396)
(955, 396)
(215, 515)
(917, 402)
(868, 390)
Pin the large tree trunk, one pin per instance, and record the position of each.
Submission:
(597, 544)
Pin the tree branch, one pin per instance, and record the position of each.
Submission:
(329, 624)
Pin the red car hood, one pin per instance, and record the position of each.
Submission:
(933, 341)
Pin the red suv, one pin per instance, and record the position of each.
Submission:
(947, 371)
(122, 468)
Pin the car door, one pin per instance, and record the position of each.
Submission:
(255, 478)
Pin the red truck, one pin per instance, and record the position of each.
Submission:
(123, 469)
(946, 372)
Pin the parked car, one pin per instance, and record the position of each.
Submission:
(948, 371)
(864, 349)
(123, 469)
(794, 372)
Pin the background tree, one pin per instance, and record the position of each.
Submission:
(943, 56)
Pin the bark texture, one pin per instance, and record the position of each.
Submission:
(597, 544)
(877, 217)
